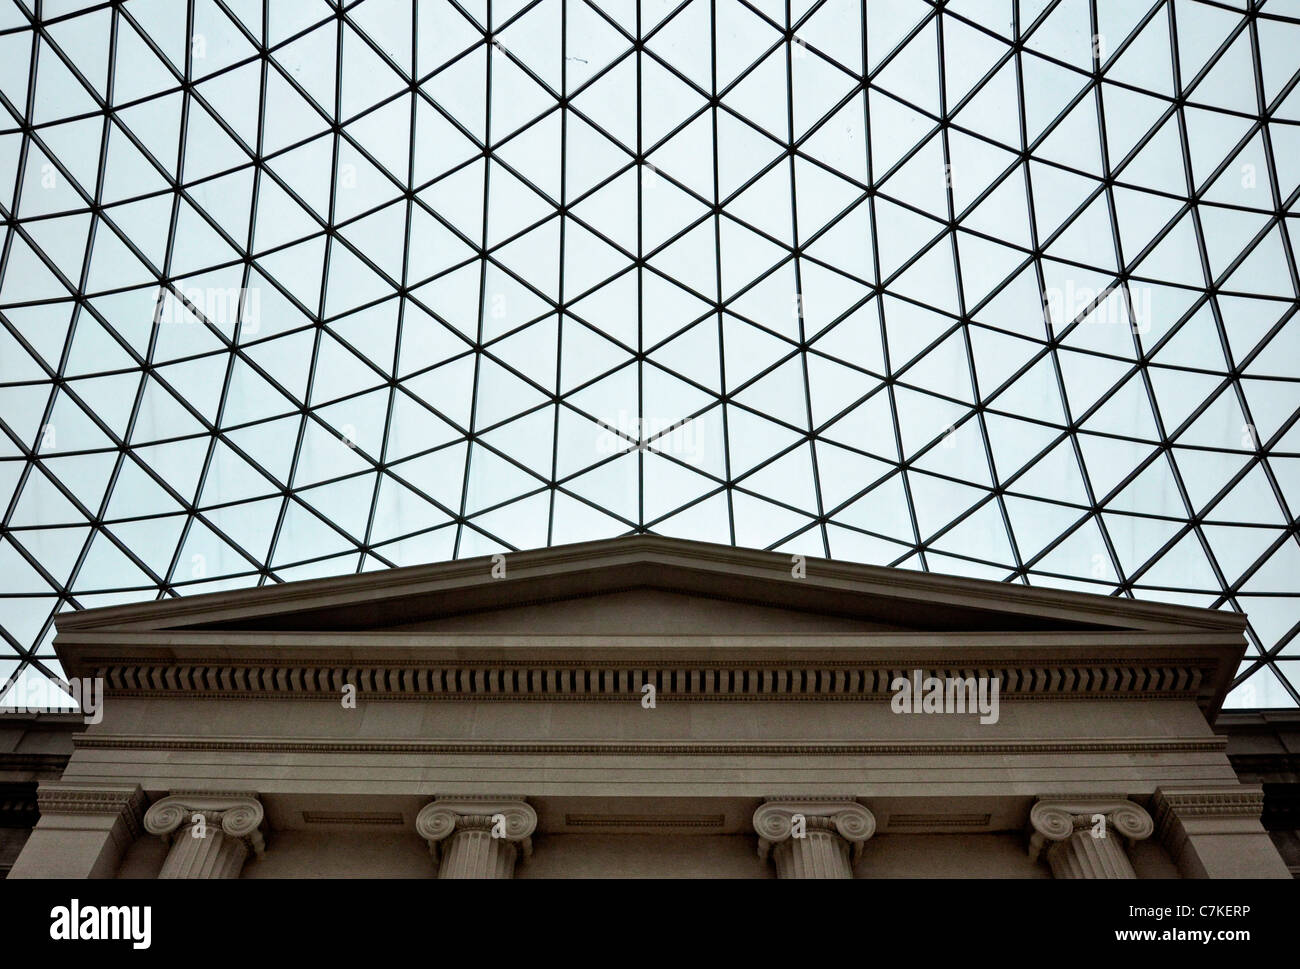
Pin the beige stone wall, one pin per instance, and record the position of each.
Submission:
(644, 856)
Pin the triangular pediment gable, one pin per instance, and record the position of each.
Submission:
(600, 620)
(651, 584)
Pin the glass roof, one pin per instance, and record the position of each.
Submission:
(991, 288)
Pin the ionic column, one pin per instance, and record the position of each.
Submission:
(813, 838)
(209, 835)
(1087, 838)
(472, 837)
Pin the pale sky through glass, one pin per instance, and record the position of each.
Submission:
(989, 288)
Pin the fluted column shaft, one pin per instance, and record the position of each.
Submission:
(208, 835)
(472, 852)
(814, 838)
(477, 837)
(1082, 855)
(820, 853)
(213, 854)
(1087, 839)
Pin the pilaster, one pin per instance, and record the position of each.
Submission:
(82, 832)
(1215, 832)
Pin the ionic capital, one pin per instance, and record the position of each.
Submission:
(775, 820)
(1056, 819)
(238, 815)
(1087, 837)
(508, 818)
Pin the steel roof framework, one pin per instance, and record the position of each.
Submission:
(790, 275)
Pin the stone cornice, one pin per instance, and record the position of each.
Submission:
(388, 645)
(1235, 802)
(659, 748)
(1176, 809)
(1187, 676)
(59, 797)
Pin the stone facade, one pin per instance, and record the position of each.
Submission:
(650, 707)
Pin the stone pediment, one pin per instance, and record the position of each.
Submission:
(602, 620)
(646, 585)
